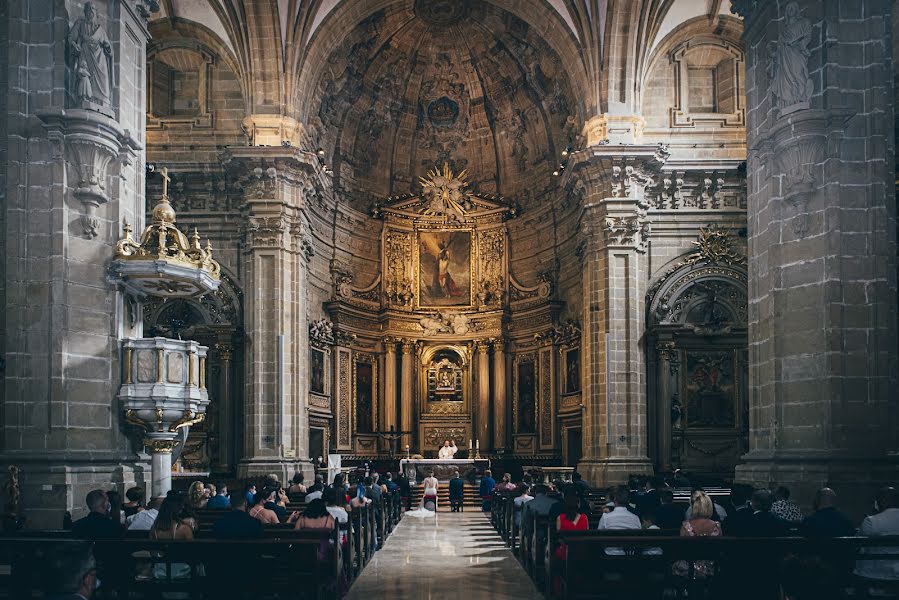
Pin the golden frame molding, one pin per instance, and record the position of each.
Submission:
(425, 355)
(473, 262)
(365, 357)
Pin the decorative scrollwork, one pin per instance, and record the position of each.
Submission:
(187, 420)
(132, 418)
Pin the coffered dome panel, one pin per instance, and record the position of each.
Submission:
(438, 81)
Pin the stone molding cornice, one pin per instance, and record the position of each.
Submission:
(90, 142)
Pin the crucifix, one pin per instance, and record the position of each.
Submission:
(164, 171)
(392, 436)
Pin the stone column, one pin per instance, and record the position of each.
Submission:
(389, 384)
(161, 460)
(823, 352)
(482, 433)
(615, 233)
(406, 401)
(67, 187)
(275, 254)
(666, 372)
(500, 397)
(226, 410)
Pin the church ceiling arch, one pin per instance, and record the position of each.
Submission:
(414, 85)
(635, 29)
(251, 33)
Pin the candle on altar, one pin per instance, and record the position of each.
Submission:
(477, 444)
(469, 443)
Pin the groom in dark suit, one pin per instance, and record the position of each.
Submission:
(456, 492)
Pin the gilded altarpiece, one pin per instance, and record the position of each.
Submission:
(443, 296)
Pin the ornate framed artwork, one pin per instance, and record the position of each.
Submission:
(444, 268)
(525, 407)
(710, 390)
(365, 384)
(572, 364)
(318, 372)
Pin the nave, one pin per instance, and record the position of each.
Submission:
(451, 555)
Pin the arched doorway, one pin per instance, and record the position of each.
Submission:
(698, 360)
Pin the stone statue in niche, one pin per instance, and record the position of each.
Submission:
(91, 62)
(788, 62)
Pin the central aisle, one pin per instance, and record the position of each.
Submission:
(453, 556)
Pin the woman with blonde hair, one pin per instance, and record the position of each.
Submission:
(196, 495)
(700, 524)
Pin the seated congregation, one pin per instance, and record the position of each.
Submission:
(309, 542)
(650, 540)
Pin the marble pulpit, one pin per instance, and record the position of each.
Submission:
(416, 469)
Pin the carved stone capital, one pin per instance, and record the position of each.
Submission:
(668, 352)
(266, 232)
(160, 446)
(224, 350)
(630, 232)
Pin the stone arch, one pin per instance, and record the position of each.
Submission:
(677, 296)
(694, 49)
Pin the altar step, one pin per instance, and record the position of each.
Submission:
(472, 499)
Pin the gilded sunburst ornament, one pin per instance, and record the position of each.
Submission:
(444, 194)
(715, 246)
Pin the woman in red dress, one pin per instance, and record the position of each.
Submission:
(572, 519)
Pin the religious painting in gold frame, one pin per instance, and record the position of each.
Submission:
(524, 405)
(365, 390)
(445, 265)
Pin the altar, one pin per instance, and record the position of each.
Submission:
(416, 469)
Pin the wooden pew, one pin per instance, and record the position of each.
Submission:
(742, 565)
(289, 560)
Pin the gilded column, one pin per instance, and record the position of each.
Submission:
(406, 403)
(482, 433)
(500, 397)
(389, 383)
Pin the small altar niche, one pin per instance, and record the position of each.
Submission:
(445, 379)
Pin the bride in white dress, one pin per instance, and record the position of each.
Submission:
(428, 505)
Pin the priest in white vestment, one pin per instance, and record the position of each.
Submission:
(449, 449)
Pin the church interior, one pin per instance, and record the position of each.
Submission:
(631, 239)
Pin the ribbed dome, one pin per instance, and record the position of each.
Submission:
(444, 81)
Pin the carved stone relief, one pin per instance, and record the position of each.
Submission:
(91, 61)
(788, 62)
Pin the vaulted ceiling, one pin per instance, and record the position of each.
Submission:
(389, 88)
(464, 83)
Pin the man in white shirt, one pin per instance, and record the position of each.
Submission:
(143, 520)
(885, 522)
(619, 517)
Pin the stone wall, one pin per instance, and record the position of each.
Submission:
(822, 244)
(61, 421)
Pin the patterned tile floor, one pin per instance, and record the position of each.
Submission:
(453, 556)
